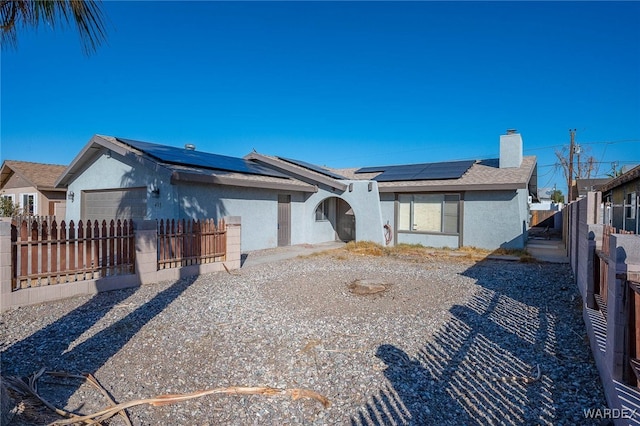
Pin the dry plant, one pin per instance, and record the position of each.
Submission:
(364, 248)
(29, 390)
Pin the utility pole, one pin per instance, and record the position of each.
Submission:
(572, 133)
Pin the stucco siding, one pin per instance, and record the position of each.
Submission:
(114, 171)
(428, 240)
(368, 211)
(495, 219)
(258, 209)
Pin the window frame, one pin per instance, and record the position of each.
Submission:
(24, 204)
(446, 200)
(321, 213)
(630, 206)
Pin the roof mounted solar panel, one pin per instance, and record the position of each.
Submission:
(424, 171)
(374, 169)
(313, 167)
(189, 157)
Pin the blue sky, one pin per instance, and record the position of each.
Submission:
(341, 84)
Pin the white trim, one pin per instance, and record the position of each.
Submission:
(23, 203)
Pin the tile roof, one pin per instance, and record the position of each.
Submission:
(42, 176)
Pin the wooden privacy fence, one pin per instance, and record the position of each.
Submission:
(633, 281)
(540, 216)
(631, 368)
(45, 253)
(601, 266)
(190, 242)
(601, 272)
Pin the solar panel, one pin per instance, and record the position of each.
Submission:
(375, 169)
(424, 171)
(313, 167)
(186, 157)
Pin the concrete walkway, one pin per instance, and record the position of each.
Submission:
(258, 257)
(544, 250)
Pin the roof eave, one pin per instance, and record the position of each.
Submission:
(456, 187)
(621, 180)
(231, 181)
(286, 167)
(89, 151)
(95, 145)
(50, 189)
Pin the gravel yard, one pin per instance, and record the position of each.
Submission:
(451, 341)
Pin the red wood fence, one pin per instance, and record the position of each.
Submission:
(190, 242)
(45, 253)
(631, 367)
(540, 216)
(601, 270)
(633, 279)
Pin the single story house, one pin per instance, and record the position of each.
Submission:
(282, 201)
(32, 187)
(621, 198)
(583, 186)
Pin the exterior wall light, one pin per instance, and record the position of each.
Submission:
(70, 196)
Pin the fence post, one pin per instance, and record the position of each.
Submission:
(5, 258)
(234, 227)
(146, 243)
(594, 236)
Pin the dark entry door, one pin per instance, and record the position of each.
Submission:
(346, 219)
(284, 220)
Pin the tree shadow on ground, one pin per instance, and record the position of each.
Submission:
(54, 346)
(472, 370)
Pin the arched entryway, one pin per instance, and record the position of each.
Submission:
(335, 220)
(346, 221)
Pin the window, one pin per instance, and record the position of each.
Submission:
(428, 213)
(630, 206)
(29, 204)
(11, 197)
(322, 211)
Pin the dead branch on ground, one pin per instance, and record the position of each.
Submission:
(31, 389)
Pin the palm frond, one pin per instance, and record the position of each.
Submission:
(87, 16)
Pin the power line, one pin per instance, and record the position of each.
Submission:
(585, 143)
(595, 162)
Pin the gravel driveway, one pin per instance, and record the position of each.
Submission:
(451, 341)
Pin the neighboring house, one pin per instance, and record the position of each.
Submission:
(545, 212)
(584, 186)
(621, 201)
(283, 201)
(543, 201)
(32, 187)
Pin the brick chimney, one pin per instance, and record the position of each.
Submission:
(510, 149)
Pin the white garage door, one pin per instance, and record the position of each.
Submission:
(130, 203)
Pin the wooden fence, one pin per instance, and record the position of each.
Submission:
(542, 218)
(601, 272)
(631, 368)
(45, 253)
(190, 242)
(633, 281)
